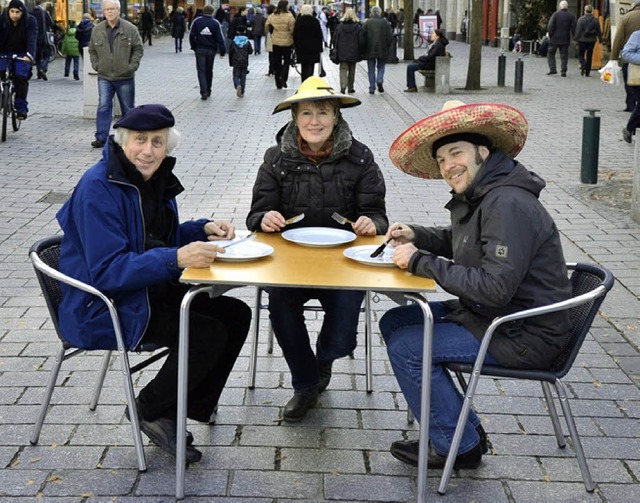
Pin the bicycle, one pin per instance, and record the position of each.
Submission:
(8, 96)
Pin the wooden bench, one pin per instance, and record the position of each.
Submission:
(438, 80)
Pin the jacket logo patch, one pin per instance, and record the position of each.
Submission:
(502, 251)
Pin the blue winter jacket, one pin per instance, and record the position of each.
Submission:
(104, 246)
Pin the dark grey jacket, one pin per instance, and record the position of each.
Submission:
(561, 27)
(349, 181)
(501, 254)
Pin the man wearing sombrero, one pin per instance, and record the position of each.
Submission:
(501, 253)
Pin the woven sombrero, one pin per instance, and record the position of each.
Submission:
(316, 89)
(504, 125)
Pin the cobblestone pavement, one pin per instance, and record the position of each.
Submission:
(340, 452)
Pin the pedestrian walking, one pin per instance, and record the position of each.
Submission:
(71, 50)
(147, 22)
(587, 33)
(257, 30)
(178, 28)
(83, 32)
(347, 45)
(308, 40)
(628, 24)
(377, 40)
(561, 28)
(43, 46)
(239, 51)
(206, 40)
(115, 49)
(281, 24)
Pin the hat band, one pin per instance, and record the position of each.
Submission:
(475, 138)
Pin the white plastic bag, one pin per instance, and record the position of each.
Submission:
(611, 73)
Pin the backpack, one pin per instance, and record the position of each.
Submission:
(591, 29)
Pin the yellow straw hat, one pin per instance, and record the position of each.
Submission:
(316, 89)
(505, 126)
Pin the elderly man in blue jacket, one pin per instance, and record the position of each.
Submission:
(18, 34)
(122, 236)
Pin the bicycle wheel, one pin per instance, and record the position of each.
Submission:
(5, 111)
(15, 121)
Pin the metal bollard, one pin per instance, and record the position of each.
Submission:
(590, 147)
(517, 88)
(502, 68)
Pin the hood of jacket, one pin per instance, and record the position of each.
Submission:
(287, 138)
(240, 40)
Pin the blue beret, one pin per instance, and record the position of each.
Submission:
(147, 118)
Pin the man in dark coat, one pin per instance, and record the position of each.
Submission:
(501, 254)
(562, 26)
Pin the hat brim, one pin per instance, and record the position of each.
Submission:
(504, 125)
(346, 101)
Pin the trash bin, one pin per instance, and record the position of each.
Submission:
(393, 50)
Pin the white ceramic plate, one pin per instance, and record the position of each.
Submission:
(243, 252)
(363, 253)
(319, 236)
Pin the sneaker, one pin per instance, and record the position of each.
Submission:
(380, 88)
(411, 90)
(626, 135)
(239, 91)
(97, 144)
(408, 452)
(324, 372)
(299, 405)
(162, 432)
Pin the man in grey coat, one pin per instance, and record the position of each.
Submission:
(377, 39)
(115, 50)
(562, 26)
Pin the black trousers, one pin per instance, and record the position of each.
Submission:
(218, 328)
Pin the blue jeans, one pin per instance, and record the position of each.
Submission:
(239, 77)
(204, 67)
(76, 64)
(373, 78)
(126, 92)
(412, 68)
(337, 336)
(402, 329)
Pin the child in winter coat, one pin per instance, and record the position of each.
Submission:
(71, 49)
(239, 51)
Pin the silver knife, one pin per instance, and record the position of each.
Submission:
(241, 240)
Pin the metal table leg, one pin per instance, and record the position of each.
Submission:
(183, 372)
(425, 402)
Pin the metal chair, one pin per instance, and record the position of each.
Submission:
(590, 284)
(45, 255)
(259, 305)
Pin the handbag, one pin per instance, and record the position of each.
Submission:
(611, 73)
(633, 75)
(333, 56)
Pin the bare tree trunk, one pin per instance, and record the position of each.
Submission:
(408, 30)
(475, 46)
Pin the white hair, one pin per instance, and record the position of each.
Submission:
(121, 136)
(117, 2)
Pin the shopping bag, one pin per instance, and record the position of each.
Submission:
(611, 73)
(633, 75)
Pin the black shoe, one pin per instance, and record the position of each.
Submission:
(324, 371)
(162, 432)
(408, 451)
(299, 405)
(626, 135)
(97, 144)
(552, 73)
(380, 88)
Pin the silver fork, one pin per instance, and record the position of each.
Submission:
(340, 219)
